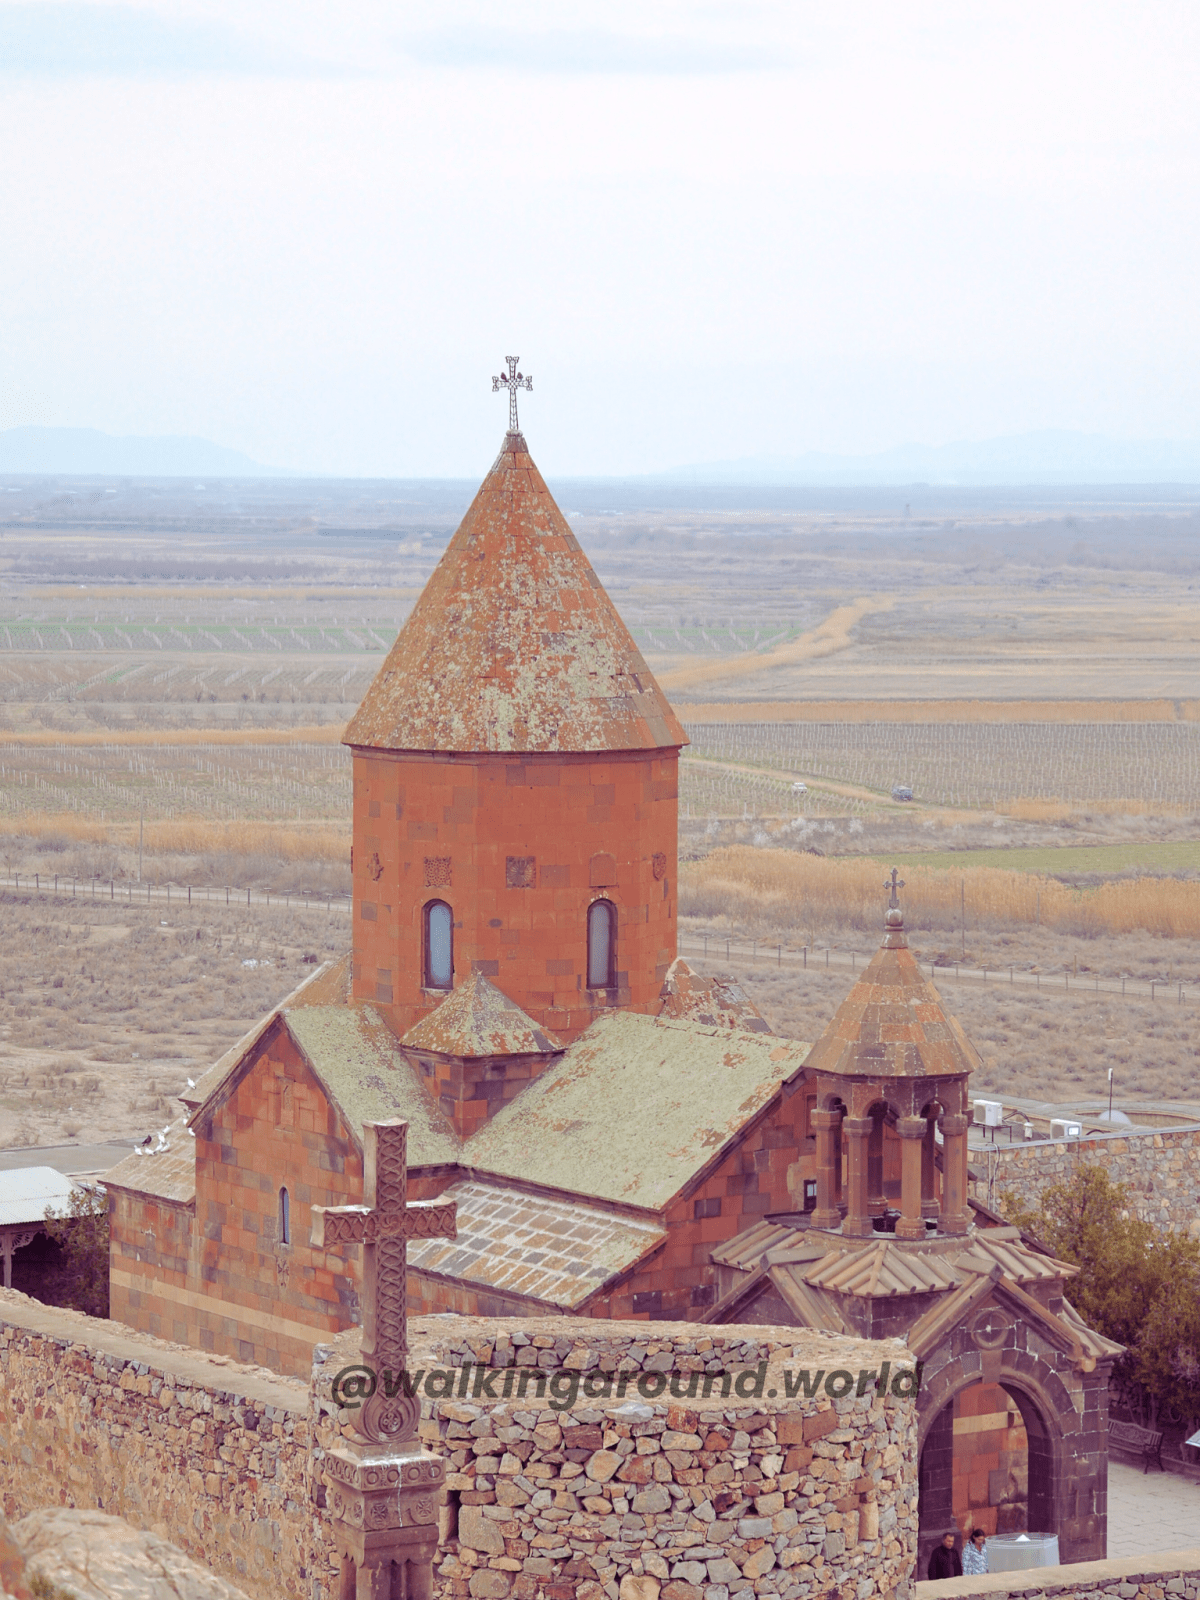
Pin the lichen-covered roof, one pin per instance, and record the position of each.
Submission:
(717, 1002)
(364, 1072)
(513, 643)
(169, 1175)
(555, 1251)
(892, 1024)
(477, 1019)
(635, 1108)
(327, 985)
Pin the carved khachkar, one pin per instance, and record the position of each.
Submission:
(382, 1488)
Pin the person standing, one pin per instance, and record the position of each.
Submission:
(974, 1556)
(945, 1561)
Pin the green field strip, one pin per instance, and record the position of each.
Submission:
(1057, 860)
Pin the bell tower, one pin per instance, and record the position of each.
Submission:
(515, 781)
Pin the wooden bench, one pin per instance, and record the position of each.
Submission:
(1140, 1441)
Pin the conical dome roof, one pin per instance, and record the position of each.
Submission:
(892, 1024)
(514, 644)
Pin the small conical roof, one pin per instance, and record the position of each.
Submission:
(892, 1024)
(478, 1019)
(514, 644)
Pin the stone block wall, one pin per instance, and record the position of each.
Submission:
(1161, 1167)
(651, 1493)
(458, 828)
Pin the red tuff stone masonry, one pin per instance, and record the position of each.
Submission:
(515, 759)
(518, 846)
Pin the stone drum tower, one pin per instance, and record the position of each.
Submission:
(515, 782)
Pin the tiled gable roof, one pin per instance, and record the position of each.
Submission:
(513, 643)
(558, 1251)
(635, 1108)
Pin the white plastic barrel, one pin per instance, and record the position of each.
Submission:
(1013, 1552)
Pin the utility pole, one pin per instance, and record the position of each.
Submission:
(1110, 1088)
(963, 895)
(141, 830)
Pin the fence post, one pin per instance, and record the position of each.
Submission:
(112, 893)
(1152, 988)
(189, 894)
(226, 894)
(37, 882)
(247, 897)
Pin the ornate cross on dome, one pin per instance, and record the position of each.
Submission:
(514, 381)
(383, 1226)
(893, 883)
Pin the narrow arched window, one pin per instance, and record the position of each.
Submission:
(439, 945)
(601, 944)
(285, 1218)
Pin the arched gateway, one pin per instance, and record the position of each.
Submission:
(1013, 1403)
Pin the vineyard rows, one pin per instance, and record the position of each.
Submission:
(224, 782)
(967, 764)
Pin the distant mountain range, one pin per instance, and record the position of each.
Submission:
(87, 452)
(1054, 456)
(1051, 456)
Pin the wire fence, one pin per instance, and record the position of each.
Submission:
(127, 892)
(765, 955)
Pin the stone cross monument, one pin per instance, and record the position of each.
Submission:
(382, 1487)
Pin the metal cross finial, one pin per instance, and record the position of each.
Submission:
(893, 883)
(514, 381)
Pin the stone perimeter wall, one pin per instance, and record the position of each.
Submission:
(211, 1456)
(1161, 1168)
(663, 1499)
(1174, 1572)
(626, 1499)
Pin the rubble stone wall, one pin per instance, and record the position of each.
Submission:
(1160, 1166)
(207, 1454)
(654, 1496)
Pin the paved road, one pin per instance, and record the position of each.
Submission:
(75, 1160)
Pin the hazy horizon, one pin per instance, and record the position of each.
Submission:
(713, 233)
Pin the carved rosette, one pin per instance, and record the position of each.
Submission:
(373, 1494)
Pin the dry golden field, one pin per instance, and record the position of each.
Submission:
(177, 664)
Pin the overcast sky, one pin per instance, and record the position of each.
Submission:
(312, 229)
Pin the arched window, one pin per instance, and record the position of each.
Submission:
(439, 945)
(601, 944)
(285, 1218)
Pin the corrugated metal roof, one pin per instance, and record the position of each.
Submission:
(892, 1024)
(513, 643)
(551, 1250)
(477, 1019)
(635, 1108)
(26, 1192)
(355, 1055)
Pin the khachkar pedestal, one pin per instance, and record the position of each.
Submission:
(383, 1489)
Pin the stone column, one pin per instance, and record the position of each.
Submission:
(857, 1222)
(876, 1199)
(929, 1198)
(955, 1216)
(912, 1133)
(827, 1126)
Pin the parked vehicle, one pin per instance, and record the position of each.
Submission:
(799, 788)
(901, 791)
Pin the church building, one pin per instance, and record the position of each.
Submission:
(601, 1115)
(621, 1137)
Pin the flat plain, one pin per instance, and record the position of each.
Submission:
(177, 662)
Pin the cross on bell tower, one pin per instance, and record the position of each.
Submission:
(893, 883)
(512, 382)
